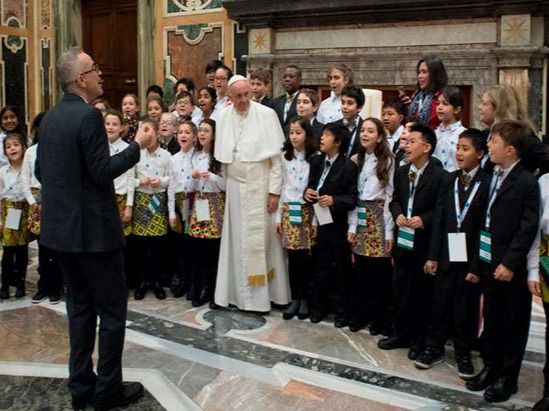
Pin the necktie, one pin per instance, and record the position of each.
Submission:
(412, 176)
(465, 180)
(328, 164)
(288, 98)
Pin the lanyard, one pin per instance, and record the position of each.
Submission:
(493, 194)
(353, 138)
(324, 175)
(411, 198)
(460, 214)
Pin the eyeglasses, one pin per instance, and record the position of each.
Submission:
(95, 68)
(166, 122)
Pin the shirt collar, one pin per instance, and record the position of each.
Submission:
(420, 171)
(450, 127)
(300, 155)
(471, 173)
(506, 170)
(396, 135)
(332, 160)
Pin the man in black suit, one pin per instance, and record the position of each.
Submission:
(352, 102)
(80, 221)
(417, 187)
(285, 105)
(510, 225)
(333, 181)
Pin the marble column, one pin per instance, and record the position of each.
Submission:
(145, 46)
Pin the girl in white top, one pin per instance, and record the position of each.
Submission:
(150, 215)
(206, 222)
(13, 221)
(294, 218)
(449, 108)
(180, 196)
(339, 76)
(50, 280)
(371, 228)
(124, 185)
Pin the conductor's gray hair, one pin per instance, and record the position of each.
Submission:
(68, 67)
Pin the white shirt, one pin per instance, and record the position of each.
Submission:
(447, 139)
(27, 174)
(370, 189)
(289, 100)
(393, 138)
(533, 254)
(124, 183)
(154, 165)
(196, 115)
(330, 110)
(215, 183)
(295, 177)
(3, 159)
(11, 184)
(222, 103)
(181, 180)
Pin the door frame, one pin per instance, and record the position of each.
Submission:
(68, 16)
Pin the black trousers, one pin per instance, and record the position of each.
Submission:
(372, 278)
(206, 255)
(299, 270)
(456, 309)
(332, 273)
(412, 295)
(507, 311)
(14, 265)
(95, 287)
(50, 280)
(150, 255)
(183, 247)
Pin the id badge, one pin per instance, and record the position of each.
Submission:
(202, 210)
(294, 211)
(13, 218)
(361, 213)
(457, 247)
(405, 238)
(485, 253)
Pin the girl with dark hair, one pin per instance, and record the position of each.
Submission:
(10, 122)
(371, 229)
(294, 218)
(13, 221)
(431, 78)
(207, 97)
(206, 223)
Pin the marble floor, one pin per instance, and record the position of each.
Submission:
(196, 358)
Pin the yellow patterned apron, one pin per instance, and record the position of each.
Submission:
(149, 220)
(22, 235)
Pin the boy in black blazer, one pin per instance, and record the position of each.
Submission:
(456, 228)
(509, 228)
(333, 185)
(417, 188)
(352, 102)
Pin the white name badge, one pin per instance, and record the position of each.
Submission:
(405, 238)
(185, 209)
(361, 214)
(457, 247)
(202, 210)
(13, 219)
(485, 253)
(294, 213)
(323, 214)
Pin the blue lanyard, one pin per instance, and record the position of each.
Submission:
(460, 214)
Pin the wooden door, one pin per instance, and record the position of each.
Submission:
(110, 37)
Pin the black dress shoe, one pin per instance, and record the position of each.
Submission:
(500, 391)
(317, 316)
(4, 294)
(20, 292)
(356, 325)
(291, 311)
(140, 292)
(192, 294)
(414, 352)
(341, 321)
(482, 380)
(214, 306)
(391, 343)
(200, 299)
(126, 394)
(376, 329)
(159, 292)
(80, 403)
(542, 405)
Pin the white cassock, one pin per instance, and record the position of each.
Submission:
(251, 271)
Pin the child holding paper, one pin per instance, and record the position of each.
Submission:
(456, 294)
(206, 221)
(416, 190)
(332, 189)
(14, 211)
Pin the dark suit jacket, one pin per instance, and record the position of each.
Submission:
(432, 180)
(514, 221)
(341, 183)
(79, 212)
(356, 143)
(269, 102)
(318, 128)
(278, 106)
(446, 221)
